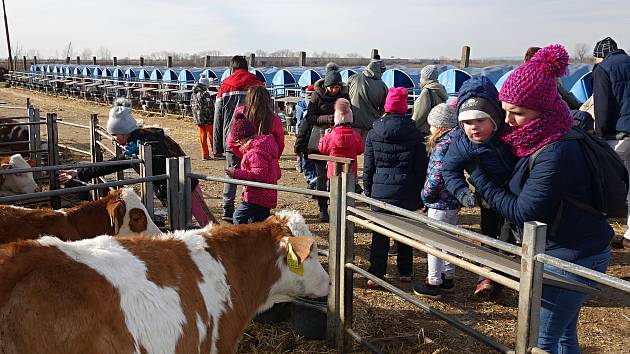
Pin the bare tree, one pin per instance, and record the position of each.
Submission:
(103, 53)
(354, 55)
(33, 52)
(579, 52)
(86, 54)
(282, 53)
(261, 53)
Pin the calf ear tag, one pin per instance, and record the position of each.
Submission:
(294, 262)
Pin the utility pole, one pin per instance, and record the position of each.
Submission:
(6, 28)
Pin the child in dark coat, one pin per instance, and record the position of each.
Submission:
(476, 143)
(394, 171)
(260, 156)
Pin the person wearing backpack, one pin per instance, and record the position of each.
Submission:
(125, 131)
(202, 107)
(537, 118)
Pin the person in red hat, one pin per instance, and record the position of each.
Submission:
(394, 171)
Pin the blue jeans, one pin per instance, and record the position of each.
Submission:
(560, 308)
(247, 213)
(308, 169)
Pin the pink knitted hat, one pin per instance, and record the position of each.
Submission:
(396, 101)
(343, 113)
(533, 84)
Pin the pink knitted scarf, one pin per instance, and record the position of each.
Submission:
(547, 128)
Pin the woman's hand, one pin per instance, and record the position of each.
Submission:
(66, 176)
(230, 172)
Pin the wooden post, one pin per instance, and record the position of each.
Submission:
(53, 155)
(333, 326)
(206, 61)
(146, 170)
(24, 62)
(346, 255)
(302, 59)
(169, 62)
(172, 183)
(78, 60)
(93, 60)
(115, 61)
(35, 59)
(118, 150)
(96, 154)
(465, 61)
(374, 54)
(141, 61)
(185, 191)
(252, 59)
(67, 60)
(530, 286)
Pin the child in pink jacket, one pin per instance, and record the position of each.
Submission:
(342, 140)
(260, 157)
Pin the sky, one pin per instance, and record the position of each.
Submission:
(398, 28)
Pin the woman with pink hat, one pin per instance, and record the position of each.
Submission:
(549, 189)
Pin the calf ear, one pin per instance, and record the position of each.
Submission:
(137, 220)
(116, 211)
(31, 163)
(7, 166)
(301, 246)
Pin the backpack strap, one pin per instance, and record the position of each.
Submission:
(571, 135)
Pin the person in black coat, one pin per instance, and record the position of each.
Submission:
(125, 131)
(319, 117)
(394, 171)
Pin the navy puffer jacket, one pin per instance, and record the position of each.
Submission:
(611, 95)
(560, 171)
(395, 164)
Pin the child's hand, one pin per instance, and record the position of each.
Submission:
(230, 172)
(327, 131)
(468, 199)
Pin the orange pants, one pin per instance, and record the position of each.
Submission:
(205, 135)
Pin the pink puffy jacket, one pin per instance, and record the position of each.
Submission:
(258, 164)
(342, 141)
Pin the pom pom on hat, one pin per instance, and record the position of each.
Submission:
(442, 116)
(343, 113)
(123, 102)
(310, 88)
(242, 128)
(533, 85)
(333, 77)
(396, 101)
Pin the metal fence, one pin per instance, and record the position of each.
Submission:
(463, 248)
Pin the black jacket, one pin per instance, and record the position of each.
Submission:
(611, 95)
(162, 147)
(395, 164)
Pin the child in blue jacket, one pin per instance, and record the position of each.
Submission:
(476, 143)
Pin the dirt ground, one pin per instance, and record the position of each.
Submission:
(604, 325)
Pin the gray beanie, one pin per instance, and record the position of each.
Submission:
(333, 77)
(429, 72)
(442, 116)
(120, 121)
(203, 80)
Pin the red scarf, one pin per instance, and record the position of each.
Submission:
(547, 128)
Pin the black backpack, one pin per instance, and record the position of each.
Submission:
(609, 175)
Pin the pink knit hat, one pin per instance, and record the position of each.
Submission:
(343, 113)
(242, 128)
(533, 84)
(396, 101)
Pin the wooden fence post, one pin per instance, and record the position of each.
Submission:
(185, 189)
(374, 54)
(172, 170)
(465, 60)
(346, 255)
(53, 156)
(302, 59)
(141, 61)
(146, 170)
(334, 239)
(530, 286)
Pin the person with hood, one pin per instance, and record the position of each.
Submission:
(611, 100)
(231, 95)
(202, 107)
(125, 131)
(367, 96)
(476, 142)
(320, 116)
(260, 158)
(432, 94)
(394, 171)
(542, 189)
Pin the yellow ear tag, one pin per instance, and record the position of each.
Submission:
(293, 262)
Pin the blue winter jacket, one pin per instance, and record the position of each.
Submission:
(395, 163)
(611, 95)
(560, 171)
(494, 155)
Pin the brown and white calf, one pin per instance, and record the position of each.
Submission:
(121, 212)
(16, 133)
(16, 183)
(186, 292)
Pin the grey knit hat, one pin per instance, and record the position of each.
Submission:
(429, 72)
(333, 77)
(442, 116)
(120, 121)
(203, 80)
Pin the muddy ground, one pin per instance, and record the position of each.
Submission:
(604, 325)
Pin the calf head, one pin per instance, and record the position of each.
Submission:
(128, 215)
(301, 273)
(17, 183)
